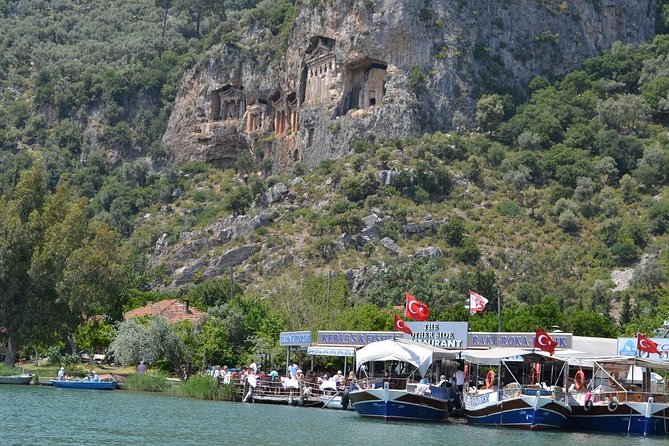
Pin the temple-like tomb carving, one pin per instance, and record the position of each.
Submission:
(255, 115)
(321, 67)
(291, 99)
(285, 113)
(227, 103)
(365, 84)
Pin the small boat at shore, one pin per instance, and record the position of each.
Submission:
(395, 397)
(23, 378)
(88, 385)
(517, 395)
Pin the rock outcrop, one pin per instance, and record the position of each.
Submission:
(381, 69)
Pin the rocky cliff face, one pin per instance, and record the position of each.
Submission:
(381, 69)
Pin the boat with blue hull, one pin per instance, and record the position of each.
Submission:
(507, 409)
(396, 397)
(506, 401)
(87, 385)
(622, 395)
(412, 403)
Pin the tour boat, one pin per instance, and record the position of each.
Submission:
(618, 395)
(393, 396)
(23, 378)
(83, 384)
(523, 400)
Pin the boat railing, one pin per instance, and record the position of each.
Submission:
(622, 396)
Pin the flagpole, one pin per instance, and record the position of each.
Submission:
(499, 311)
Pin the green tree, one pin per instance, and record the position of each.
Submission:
(94, 336)
(238, 200)
(491, 110)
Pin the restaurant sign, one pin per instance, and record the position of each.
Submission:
(520, 340)
(294, 338)
(449, 335)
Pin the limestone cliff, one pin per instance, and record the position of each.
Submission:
(381, 69)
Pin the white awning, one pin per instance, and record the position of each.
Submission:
(324, 350)
(494, 355)
(415, 353)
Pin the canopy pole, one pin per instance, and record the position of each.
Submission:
(287, 360)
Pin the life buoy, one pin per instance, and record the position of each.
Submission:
(588, 405)
(613, 405)
(579, 380)
(490, 380)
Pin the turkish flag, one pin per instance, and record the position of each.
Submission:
(646, 344)
(400, 325)
(477, 302)
(544, 342)
(416, 309)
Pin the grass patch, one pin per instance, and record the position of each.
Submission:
(147, 383)
(206, 388)
(6, 371)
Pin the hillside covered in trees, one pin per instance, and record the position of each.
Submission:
(555, 201)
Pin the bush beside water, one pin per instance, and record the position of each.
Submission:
(206, 388)
(147, 383)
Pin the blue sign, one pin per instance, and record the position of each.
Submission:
(294, 338)
(449, 335)
(355, 338)
(627, 347)
(520, 340)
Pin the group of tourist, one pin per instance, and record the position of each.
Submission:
(90, 376)
(337, 381)
(221, 374)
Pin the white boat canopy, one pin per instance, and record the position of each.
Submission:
(493, 356)
(324, 350)
(417, 354)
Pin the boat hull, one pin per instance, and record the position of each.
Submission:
(522, 412)
(398, 405)
(87, 385)
(23, 379)
(629, 418)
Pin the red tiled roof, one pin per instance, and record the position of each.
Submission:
(171, 309)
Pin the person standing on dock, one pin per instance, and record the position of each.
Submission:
(293, 371)
(252, 382)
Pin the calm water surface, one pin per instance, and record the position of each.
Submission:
(36, 415)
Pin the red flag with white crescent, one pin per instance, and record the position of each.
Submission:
(416, 309)
(646, 344)
(544, 342)
(477, 302)
(400, 325)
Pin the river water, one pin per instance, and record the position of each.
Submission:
(38, 415)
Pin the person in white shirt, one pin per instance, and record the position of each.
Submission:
(61, 374)
(293, 370)
(459, 377)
